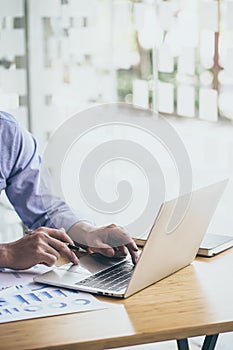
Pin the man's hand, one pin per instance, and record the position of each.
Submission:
(111, 240)
(42, 246)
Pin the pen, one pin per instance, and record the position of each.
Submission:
(80, 248)
(72, 246)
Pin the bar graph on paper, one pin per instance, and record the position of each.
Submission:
(21, 298)
(33, 301)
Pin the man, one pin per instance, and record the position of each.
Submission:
(20, 178)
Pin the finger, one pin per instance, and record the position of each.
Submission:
(133, 252)
(48, 259)
(132, 245)
(51, 251)
(63, 249)
(120, 252)
(59, 234)
(75, 259)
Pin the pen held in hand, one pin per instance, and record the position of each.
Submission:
(80, 248)
(73, 247)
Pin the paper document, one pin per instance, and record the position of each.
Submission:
(36, 300)
(9, 277)
(21, 298)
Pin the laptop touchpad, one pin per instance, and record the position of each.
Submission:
(94, 263)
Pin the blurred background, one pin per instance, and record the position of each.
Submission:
(173, 56)
(176, 57)
(58, 56)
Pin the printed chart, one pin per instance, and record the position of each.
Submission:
(35, 301)
(21, 298)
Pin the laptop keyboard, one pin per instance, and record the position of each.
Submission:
(114, 278)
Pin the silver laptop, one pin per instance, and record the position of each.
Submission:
(163, 254)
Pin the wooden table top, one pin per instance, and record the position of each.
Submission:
(197, 300)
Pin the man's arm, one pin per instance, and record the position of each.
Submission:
(36, 206)
(20, 177)
(26, 185)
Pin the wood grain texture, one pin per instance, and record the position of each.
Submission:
(195, 301)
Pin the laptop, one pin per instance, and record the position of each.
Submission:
(214, 244)
(164, 253)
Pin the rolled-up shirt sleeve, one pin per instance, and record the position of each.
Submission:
(20, 171)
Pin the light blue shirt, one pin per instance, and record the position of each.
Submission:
(20, 171)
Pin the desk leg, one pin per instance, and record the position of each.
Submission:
(182, 344)
(210, 342)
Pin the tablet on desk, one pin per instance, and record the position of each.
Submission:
(213, 244)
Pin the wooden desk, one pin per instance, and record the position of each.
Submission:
(195, 301)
